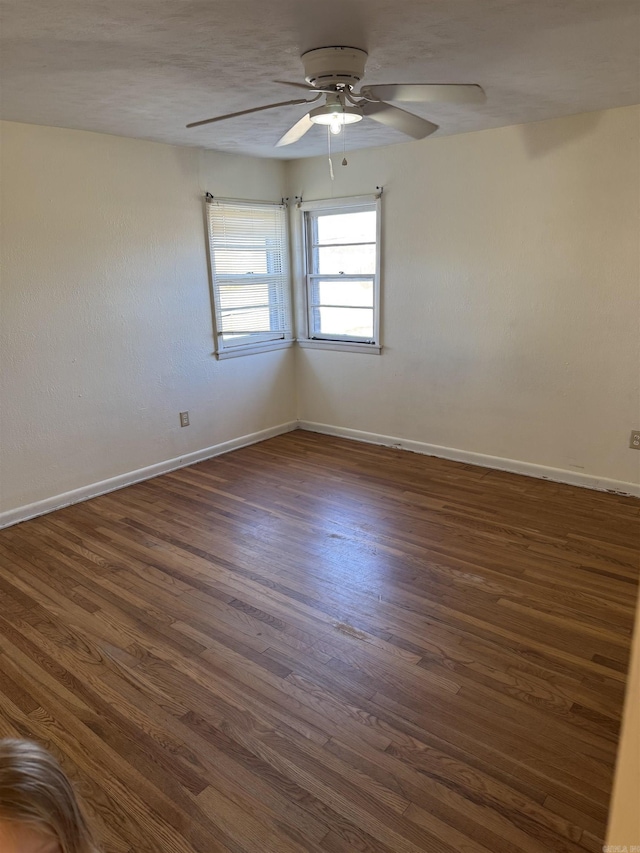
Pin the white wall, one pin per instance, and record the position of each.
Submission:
(510, 323)
(106, 313)
(510, 295)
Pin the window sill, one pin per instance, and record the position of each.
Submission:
(249, 349)
(342, 346)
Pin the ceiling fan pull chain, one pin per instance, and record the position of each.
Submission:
(344, 156)
(330, 161)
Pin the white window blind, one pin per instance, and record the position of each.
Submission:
(249, 265)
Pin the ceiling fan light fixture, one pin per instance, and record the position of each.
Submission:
(336, 125)
(335, 115)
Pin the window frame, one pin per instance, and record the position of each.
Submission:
(338, 206)
(258, 341)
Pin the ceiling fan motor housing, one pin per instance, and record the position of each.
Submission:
(334, 66)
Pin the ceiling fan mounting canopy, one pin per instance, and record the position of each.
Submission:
(329, 67)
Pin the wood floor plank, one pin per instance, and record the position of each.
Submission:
(316, 645)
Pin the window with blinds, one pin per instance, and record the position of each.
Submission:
(249, 266)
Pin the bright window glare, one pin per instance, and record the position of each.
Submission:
(359, 227)
(351, 260)
(347, 292)
(351, 322)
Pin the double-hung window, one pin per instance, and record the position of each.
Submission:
(342, 273)
(250, 275)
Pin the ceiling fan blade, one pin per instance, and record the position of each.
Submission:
(246, 112)
(447, 93)
(401, 120)
(306, 86)
(296, 132)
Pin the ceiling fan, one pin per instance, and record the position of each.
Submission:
(334, 72)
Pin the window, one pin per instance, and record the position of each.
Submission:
(342, 249)
(249, 267)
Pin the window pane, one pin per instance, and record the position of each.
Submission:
(234, 296)
(348, 292)
(358, 227)
(239, 261)
(247, 320)
(348, 322)
(351, 260)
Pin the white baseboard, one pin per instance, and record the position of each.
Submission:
(24, 513)
(542, 472)
(557, 475)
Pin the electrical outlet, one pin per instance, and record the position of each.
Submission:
(184, 419)
(635, 439)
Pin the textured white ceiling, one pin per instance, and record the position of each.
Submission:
(144, 68)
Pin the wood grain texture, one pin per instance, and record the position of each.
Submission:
(316, 645)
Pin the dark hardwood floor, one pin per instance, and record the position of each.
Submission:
(317, 645)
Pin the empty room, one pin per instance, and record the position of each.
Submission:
(320, 426)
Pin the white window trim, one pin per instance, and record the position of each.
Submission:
(249, 349)
(255, 346)
(342, 346)
(305, 340)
